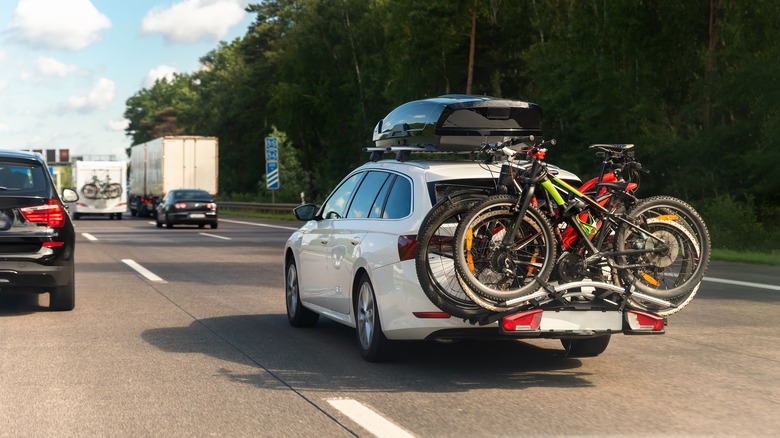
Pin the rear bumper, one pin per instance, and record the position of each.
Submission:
(187, 218)
(33, 277)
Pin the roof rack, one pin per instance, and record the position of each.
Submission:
(402, 153)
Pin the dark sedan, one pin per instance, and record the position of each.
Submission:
(187, 206)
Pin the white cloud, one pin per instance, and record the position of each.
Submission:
(99, 97)
(118, 125)
(59, 24)
(160, 72)
(190, 21)
(3, 85)
(3, 128)
(51, 67)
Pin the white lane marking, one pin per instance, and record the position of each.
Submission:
(143, 271)
(742, 283)
(368, 419)
(258, 225)
(89, 236)
(215, 236)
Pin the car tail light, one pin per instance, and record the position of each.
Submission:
(529, 320)
(211, 206)
(431, 315)
(53, 244)
(407, 247)
(51, 214)
(643, 321)
(180, 205)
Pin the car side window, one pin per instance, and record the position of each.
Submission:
(379, 202)
(366, 194)
(336, 206)
(399, 201)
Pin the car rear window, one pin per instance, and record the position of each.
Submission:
(22, 179)
(192, 194)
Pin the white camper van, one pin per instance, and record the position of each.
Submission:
(102, 188)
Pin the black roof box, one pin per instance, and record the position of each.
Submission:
(457, 123)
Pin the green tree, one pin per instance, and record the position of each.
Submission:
(163, 109)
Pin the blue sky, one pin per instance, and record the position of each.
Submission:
(68, 66)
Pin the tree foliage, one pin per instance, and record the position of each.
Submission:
(692, 84)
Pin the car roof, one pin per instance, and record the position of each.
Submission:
(20, 155)
(438, 170)
(435, 170)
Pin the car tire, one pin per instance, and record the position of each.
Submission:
(297, 315)
(168, 222)
(374, 346)
(214, 225)
(201, 225)
(586, 347)
(63, 298)
(159, 224)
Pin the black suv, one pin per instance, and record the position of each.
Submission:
(37, 239)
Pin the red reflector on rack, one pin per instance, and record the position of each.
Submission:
(431, 315)
(644, 321)
(524, 321)
(52, 244)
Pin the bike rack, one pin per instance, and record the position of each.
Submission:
(549, 294)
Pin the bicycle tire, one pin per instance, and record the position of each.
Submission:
(497, 273)
(434, 260)
(89, 190)
(113, 190)
(676, 275)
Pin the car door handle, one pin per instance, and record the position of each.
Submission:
(324, 240)
(355, 241)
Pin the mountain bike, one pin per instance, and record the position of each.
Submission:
(505, 247)
(435, 259)
(101, 189)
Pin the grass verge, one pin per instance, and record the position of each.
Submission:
(258, 214)
(759, 258)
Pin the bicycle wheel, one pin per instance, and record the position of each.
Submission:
(113, 190)
(504, 272)
(681, 244)
(89, 191)
(435, 260)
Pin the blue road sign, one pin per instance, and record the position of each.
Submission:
(272, 175)
(271, 163)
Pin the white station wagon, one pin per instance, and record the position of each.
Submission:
(354, 261)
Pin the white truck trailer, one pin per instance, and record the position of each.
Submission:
(102, 188)
(172, 162)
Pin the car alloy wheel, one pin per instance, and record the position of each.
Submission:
(297, 315)
(373, 344)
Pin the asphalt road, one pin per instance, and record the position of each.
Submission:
(204, 349)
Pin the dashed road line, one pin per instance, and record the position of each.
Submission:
(143, 271)
(215, 236)
(368, 419)
(89, 236)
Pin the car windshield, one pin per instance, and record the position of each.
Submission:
(22, 178)
(191, 194)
